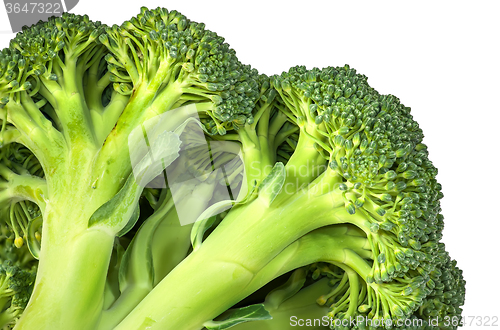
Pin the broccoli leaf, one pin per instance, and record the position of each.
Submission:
(245, 314)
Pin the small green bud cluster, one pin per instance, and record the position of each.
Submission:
(12, 67)
(16, 285)
(38, 52)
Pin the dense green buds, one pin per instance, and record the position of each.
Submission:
(43, 41)
(160, 49)
(12, 66)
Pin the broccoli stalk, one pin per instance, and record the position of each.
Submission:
(136, 273)
(53, 119)
(72, 91)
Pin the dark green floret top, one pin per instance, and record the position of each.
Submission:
(47, 47)
(159, 48)
(12, 67)
(42, 42)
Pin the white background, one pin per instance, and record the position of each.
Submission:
(441, 59)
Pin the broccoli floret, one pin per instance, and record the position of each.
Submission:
(447, 297)
(172, 61)
(16, 284)
(72, 92)
(62, 84)
(358, 160)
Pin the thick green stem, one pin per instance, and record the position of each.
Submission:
(70, 282)
(226, 261)
(136, 271)
(171, 244)
(304, 166)
(194, 284)
(331, 244)
(293, 311)
(74, 259)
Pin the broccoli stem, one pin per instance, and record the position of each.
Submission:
(104, 121)
(194, 303)
(113, 158)
(70, 280)
(171, 241)
(7, 317)
(170, 245)
(225, 260)
(305, 166)
(74, 259)
(257, 144)
(69, 103)
(332, 244)
(136, 272)
(9, 135)
(354, 287)
(44, 141)
(22, 187)
(257, 164)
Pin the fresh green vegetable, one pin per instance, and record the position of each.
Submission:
(329, 207)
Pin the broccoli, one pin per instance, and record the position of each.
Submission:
(15, 290)
(326, 204)
(72, 91)
(359, 160)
